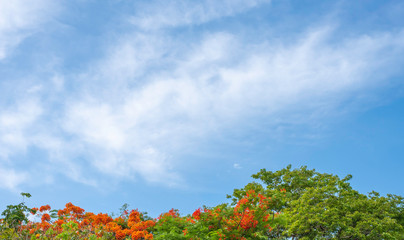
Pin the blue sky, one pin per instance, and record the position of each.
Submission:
(173, 104)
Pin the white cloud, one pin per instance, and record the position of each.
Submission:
(10, 179)
(19, 19)
(160, 13)
(213, 86)
(154, 95)
(16, 123)
(96, 124)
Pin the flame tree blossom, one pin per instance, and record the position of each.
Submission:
(286, 204)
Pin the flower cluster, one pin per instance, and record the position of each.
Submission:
(73, 221)
(136, 227)
(249, 217)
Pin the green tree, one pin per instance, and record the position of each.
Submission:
(314, 205)
(14, 217)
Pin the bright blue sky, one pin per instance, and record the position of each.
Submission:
(173, 104)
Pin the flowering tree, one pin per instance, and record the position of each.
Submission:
(248, 219)
(316, 205)
(286, 204)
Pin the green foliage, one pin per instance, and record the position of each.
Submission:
(14, 217)
(286, 204)
(170, 226)
(316, 205)
(71, 231)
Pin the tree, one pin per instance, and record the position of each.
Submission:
(14, 217)
(286, 204)
(314, 205)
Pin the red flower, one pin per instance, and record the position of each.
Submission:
(44, 208)
(197, 214)
(45, 217)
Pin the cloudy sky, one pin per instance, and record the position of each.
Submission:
(172, 104)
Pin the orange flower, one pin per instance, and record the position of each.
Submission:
(190, 220)
(120, 235)
(61, 212)
(34, 210)
(45, 217)
(59, 222)
(134, 217)
(141, 235)
(84, 223)
(197, 214)
(100, 219)
(44, 208)
(44, 226)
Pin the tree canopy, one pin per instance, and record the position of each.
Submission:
(285, 204)
(313, 205)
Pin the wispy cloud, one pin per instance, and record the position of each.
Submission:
(19, 19)
(16, 124)
(216, 85)
(153, 94)
(10, 179)
(157, 14)
(237, 166)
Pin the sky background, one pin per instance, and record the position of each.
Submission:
(173, 104)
